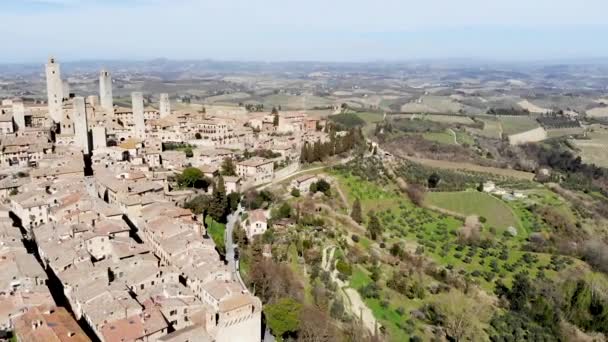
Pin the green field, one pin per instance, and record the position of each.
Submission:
(517, 124)
(440, 137)
(466, 203)
(371, 118)
(216, 231)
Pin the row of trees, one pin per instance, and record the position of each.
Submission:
(319, 151)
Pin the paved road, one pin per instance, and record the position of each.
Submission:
(233, 264)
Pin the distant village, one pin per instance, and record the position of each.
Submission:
(94, 240)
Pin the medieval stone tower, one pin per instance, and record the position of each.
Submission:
(19, 114)
(137, 100)
(105, 92)
(165, 105)
(54, 90)
(81, 128)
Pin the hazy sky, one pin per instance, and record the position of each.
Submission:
(329, 30)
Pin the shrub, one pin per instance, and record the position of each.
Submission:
(344, 267)
(295, 192)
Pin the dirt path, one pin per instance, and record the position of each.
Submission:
(358, 308)
(336, 186)
(354, 303)
(454, 135)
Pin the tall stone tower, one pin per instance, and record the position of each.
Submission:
(105, 92)
(99, 137)
(81, 129)
(66, 90)
(137, 100)
(54, 90)
(165, 105)
(19, 114)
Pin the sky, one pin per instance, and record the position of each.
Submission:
(302, 30)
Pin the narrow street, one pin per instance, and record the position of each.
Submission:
(233, 264)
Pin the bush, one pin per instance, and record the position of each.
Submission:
(344, 268)
(355, 238)
(295, 192)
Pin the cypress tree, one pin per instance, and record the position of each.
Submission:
(355, 213)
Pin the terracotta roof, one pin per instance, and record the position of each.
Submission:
(257, 216)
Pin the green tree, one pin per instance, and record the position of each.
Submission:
(233, 201)
(284, 211)
(283, 317)
(355, 213)
(199, 204)
(189, 177)
(219, 201)
(228, 168)
(239, 236)
(295, 192)
(322, 186)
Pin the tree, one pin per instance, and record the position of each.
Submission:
(373, 226)
(199, 204)
(463, 318)
(295, 192)
(283, 317)
(275, 119)
(189, 177)
(315, 325)
(321, 186)
(219, 202)
(355, 213)
(198, 136)
(233, 201)
(433, 180)
(228, 168)
(284, 211)
(239, 236)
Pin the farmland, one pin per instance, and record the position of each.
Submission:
(466, 203)
(593, 150)
(517, 124)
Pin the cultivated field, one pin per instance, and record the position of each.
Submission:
(296, 102)
(443, 164)
(595, 149)
(525, 104)
(517, 124)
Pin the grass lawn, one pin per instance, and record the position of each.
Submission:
(497, 213)
(216, 231)
(359, 278)
(369, 193)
